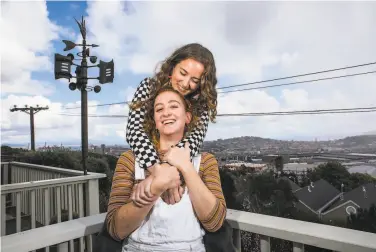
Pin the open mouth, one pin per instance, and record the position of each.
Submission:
(168, 122)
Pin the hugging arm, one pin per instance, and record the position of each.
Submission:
(196, 137)
(206, 193)
(136, 137)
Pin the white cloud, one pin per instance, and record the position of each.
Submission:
(251, 41)
(26, 46)
(53, 125)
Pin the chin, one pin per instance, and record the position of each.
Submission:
(171, 132)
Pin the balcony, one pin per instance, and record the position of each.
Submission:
(35, 197)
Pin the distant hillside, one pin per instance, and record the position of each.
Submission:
(248, 143)
(358, 140)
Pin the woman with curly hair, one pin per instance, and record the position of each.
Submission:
(159, 226)
(191, 71)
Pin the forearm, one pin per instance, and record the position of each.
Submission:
(128, 218)
(136, 136)
(203, 200)
(196, 137)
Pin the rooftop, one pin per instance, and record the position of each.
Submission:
(317, 195)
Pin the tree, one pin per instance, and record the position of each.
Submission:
(337, 174)
(279, 163)
(364, 220)
(333, 172)
(262, 193)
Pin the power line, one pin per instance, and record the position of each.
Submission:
(298, 82)
(245, 89)
(268, 86)
(299, 75)
(101, 105)
(294, 112)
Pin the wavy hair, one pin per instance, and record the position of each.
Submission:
(149, 122)
(207, 98)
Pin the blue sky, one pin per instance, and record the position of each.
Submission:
(251, 41)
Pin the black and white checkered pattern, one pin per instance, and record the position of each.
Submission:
(138, 140)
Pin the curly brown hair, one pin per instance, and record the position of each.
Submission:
(207, 100)
(149, 122)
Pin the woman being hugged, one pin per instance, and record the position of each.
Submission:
(191, 71)
(158, 226)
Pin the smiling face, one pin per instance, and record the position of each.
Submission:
(170, 114)
(186, 76)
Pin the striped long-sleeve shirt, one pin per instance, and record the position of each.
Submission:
(124, 179)
(139, 141)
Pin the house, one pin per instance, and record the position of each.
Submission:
(294, 186)
(316, 197)
(361, 197)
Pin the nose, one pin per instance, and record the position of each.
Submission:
(166, 112)
(185, 83)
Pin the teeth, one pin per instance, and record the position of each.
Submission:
(168, 122)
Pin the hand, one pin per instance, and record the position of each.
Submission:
(178, 157)
(172, 196)
(165, 177)
(141, 195)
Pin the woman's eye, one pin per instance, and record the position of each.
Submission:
(182, 73)
(159, 109)
(174, 106)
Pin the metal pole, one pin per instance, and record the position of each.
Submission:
(84, 116)
(32, 135)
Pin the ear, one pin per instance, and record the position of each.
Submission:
(188, 117)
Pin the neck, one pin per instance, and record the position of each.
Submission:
(166, 142)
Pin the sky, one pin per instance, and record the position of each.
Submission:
(251, 41)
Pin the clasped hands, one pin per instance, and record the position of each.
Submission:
(164, 180)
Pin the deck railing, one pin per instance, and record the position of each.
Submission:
(35, 195)
(299, 232)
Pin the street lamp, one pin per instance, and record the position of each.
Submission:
(63, 66)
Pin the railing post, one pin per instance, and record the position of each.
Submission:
(5, 174)
(92, 205)
(237, 239)
(265, 243)
(92, 197)
(297, 247)
(3, 214)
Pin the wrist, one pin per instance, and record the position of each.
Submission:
(185, 168)
(157, 188)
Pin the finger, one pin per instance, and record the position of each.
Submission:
(181, 191)
(138, 197)
(134, 192)
(165, 198)
(176, 194)
(141, 197)
(147, 189)
(171, 196)
(186, 145)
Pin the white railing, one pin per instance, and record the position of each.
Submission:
(41, 194)
(299, 232)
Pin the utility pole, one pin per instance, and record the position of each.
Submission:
(31, 111)
(62, 70)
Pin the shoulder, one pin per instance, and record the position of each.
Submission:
(207, 157)
(128, 155)
(208, 162)
(126, 161)
(146, 81)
